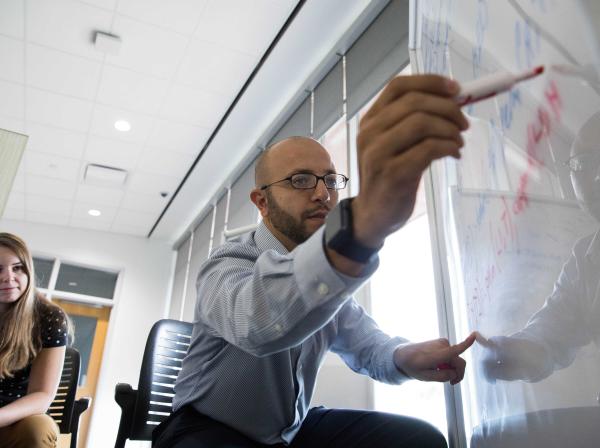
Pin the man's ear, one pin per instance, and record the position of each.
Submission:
(259, 198)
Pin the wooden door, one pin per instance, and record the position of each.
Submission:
(92, 320)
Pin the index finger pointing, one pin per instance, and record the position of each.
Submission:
(459, 348)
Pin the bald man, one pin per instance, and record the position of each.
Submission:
(272, 303)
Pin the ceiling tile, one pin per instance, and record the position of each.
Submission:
(160, 161)
(193, 106)
(106, 4)
(40, 164)
(179, 137)
(242, 25)
(152, 183)
(58, 110)
(12, 55)
(131, 230)
(114, 153)
(46, 186)
(13, 100)
(18, 214)
(62, 72)
(144, 203)
(45, 204)
(215, 68)
(12, 124)
(53, 140)
(99, 196)
(129, 90)
(134, 219)
(16, 201)
(66, 25)
(103, 124)
(12, 18)
(92, 224)
(81, 209)
(147, 48)
(179, 15)
(57, 219)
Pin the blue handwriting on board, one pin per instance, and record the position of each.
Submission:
(527, 43)
(480, 28)
(481, 209)
(513, 99)
(495, 152)
(436, 31)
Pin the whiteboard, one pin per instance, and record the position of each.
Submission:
(512, 213)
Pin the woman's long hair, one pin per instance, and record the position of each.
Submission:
(19, 339)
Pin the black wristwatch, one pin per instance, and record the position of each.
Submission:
(339, 234)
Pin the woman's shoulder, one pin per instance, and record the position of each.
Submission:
(53, 324)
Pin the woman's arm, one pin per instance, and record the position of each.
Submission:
(45, 375)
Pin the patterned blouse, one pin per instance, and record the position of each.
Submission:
(53, 329)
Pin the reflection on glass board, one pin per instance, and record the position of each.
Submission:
(520, 215)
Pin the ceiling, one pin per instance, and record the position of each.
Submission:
(180, 66)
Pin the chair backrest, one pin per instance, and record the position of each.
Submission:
(61, 409)
(167, 345)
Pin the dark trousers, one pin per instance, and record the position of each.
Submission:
(331, 428)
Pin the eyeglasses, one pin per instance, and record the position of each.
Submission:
(306, 181)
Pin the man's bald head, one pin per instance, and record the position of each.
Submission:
(263, 172)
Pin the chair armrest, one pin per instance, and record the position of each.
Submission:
(81, 406)
(125, 396)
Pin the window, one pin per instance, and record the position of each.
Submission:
(86, 281)
(335, 141)
(403, 303)
(74, 282)
(43, 269)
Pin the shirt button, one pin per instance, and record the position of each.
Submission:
(323, 289)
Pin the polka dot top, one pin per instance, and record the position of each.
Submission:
(52, 328)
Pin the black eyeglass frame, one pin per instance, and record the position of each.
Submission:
(317, 179)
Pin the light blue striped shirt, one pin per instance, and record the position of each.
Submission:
(264, 320)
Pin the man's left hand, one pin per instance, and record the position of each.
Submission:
(434, 360)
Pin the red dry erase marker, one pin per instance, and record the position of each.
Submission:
(491, 85)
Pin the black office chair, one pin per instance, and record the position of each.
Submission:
(143, 409)
(65, 410)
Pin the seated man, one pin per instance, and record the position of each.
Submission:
(272, 303)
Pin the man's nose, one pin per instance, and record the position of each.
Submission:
(321, 192)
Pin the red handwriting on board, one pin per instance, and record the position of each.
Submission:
(537, 129)
(503, 233)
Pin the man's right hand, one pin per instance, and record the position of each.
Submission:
(413, 122)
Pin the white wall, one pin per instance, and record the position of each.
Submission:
(146, 271)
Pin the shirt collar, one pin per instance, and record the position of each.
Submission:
(265, 240)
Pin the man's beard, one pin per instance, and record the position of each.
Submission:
(294, 229)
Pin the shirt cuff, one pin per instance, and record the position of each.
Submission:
(318, 279)
(392, 373)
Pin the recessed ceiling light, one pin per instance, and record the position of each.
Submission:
(94, 212)
(122, 125)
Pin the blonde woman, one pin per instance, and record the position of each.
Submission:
(33, 336)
